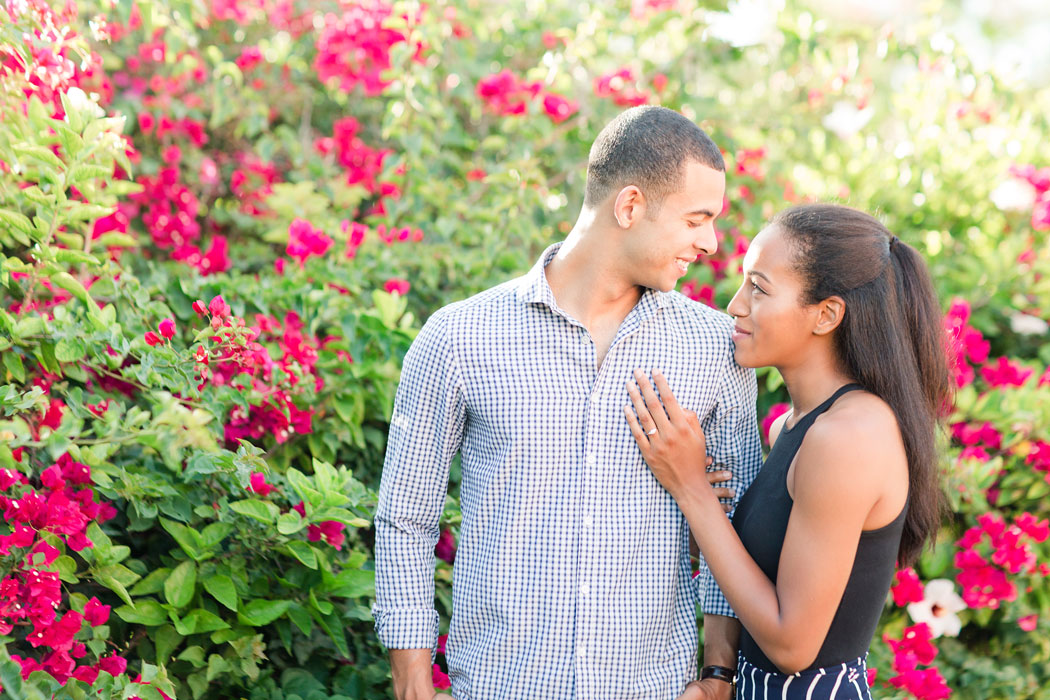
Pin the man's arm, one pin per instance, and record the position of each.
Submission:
(426, 429)
(734, 444)
(411, 670)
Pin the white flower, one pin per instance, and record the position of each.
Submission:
(938, 608)
(83, 104)
(1023, 324)
(1014, 195)
(845, 119)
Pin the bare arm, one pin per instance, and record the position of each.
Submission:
(411, 670)
(788, 620)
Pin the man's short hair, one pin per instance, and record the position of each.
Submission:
(648, 147)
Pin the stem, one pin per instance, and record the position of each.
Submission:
(31, 290)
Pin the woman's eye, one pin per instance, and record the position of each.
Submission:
(757, 288)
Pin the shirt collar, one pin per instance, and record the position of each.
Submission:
(534, 288)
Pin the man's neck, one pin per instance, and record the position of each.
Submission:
(588, 281)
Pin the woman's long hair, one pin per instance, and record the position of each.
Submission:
(890, 340)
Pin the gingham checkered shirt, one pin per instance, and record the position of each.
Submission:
(572, 577)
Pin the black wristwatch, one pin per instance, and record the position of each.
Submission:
(721, 673)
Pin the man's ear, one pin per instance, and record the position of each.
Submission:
(629, 206)
(831, 312)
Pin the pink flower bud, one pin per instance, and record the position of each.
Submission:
(219, 307)
(153, 339)
(199, 307)
(167, 328)
(259, 485)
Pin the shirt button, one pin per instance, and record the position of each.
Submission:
(588, 521)
(592, 459)
(585, 589)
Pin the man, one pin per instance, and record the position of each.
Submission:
(572, 575)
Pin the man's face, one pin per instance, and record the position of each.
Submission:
(659, 249)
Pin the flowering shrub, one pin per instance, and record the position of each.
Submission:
(222, 223)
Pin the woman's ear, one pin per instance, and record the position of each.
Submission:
(629, 206)
(832, 310)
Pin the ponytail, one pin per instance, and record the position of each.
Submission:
(890, 340)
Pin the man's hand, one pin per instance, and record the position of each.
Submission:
(707, 689)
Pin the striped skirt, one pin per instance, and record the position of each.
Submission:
(848, 681)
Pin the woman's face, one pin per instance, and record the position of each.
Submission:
(773, 326)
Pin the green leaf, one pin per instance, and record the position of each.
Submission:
(40, 154)
(146, 612)
(116, 578)
(14, 221)
(153, 583)
(290, 523)
(263, 511)
(13, 363)
(30, 325)
(87, 171)
(301, 617)
(70, 283)
(181, 584)
(200, 621)
(165, 640)
(116, 240)
(75, 257)
(262, 612)
(186, 537)
(70, 350)
(303, 552)
(334, 629)
(222, 588)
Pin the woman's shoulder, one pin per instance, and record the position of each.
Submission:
(856, 439)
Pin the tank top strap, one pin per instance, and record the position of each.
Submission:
(806, 421)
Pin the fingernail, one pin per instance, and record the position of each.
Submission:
(657, 373)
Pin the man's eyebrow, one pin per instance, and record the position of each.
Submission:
(701, 212)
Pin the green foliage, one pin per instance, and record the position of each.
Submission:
(220, 589)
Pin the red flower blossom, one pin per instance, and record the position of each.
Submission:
(1005, 372)
(620, 86)
(440, 679)
(445, 549)
(259, 485)
(397, 286)
(907, 587)
(505, 93)
(152, 339)
(200, 308)
(559, 108)
(305, 241)
(95, 612)
(218, 307)
(167, 328)
(355, 47)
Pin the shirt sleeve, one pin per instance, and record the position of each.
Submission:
(426, 429)
(733, 441)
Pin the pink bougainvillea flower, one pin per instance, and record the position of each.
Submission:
(505, 93)
(95, 612)
(1029, 622)
(1005, 372)
(775, 411)
(218, 307)
(704, 293)
(152, 339)
(476, 175)
(916, 643)
(167, 328)
(397, 286)
(259, 485)
(354, 47)
(305, 241)
(445, 549)
(200, 307)
(440, 679)
(331, 531)
(620, 86)
(559, 108)
(907, 588)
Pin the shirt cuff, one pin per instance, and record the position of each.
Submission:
(411, 628)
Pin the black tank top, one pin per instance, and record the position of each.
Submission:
(761, 520)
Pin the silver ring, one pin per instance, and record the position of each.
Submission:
(651, 432)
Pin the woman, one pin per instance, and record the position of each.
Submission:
(847, 313)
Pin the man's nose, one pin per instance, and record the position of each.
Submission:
(707, 240)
